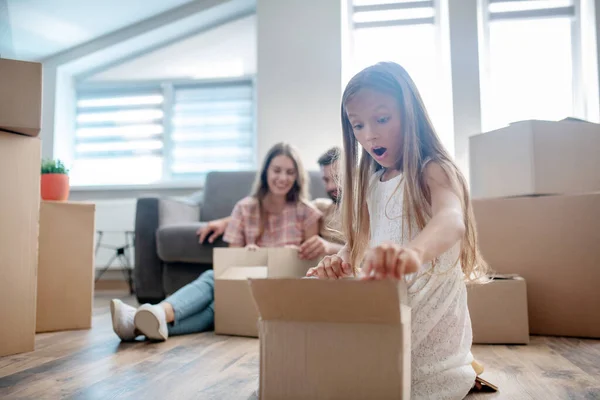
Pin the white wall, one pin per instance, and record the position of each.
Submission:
(466, 97)
(58, 113)
(226, 51)
(41, 28)
(115, 217)
(64, 119)
(299, 75)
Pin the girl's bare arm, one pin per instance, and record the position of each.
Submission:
(446, 226)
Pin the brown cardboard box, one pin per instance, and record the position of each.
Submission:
(498, 311)
(322, 339)
(19, 213)
(66, 266)
(554, 243)
(535, 157)
(20, 97)
(235, 313)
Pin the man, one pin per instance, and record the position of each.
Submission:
(329, 241)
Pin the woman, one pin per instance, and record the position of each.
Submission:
(277, 214)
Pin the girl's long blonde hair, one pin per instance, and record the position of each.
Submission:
(298, 192)
(421, 143)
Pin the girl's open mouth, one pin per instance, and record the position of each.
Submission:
(379, 152)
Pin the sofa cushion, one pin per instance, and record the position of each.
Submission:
(316, 189)
(222, 190)
(179, 243)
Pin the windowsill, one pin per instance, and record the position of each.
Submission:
(150, 186)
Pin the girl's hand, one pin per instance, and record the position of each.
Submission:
(331, 267)
(252, 247)
(391, 261)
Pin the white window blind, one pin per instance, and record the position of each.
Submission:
(164, 132)
(529, 64)
(406, 32)
(118, 137)
(212, 129)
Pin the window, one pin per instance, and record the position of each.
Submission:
(529, 63)
(212, 129)
(162, 133)
(118, 138)
(407, 33)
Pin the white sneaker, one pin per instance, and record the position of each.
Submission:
(123, 320)
(151, 321)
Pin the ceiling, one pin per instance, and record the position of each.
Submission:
(225, 51)
(36, 29)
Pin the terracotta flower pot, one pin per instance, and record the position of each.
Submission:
(55, 187)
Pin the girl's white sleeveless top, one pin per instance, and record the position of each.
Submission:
(441, 334)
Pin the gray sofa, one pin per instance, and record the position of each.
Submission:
(167, 252)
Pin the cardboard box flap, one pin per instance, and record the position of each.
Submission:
(226, 257)
(506, 277)
(243, 273)
(284, 263)
(485, 280)
(342, 301)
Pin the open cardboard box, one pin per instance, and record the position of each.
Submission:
(498, 311)
(235, 312)
(325, 339)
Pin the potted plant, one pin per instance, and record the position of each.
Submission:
(55, 181)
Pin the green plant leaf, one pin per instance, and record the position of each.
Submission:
(54, 167)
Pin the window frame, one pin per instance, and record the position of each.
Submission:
(580, 96)
(445, 126)
(167, 88)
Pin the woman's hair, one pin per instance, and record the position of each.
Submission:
(421, 144)
(298, 192)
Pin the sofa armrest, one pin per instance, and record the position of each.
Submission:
(178, 243)
(148, 267)
(151, 213)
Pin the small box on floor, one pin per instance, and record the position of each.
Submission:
(536, 158)
(235, 312)
(498, 311)
(19, 214)
(323, 339)
(21, 97)
(553, 243)
(66, 266)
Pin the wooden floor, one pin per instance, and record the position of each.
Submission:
(94, 364)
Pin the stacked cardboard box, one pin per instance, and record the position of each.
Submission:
(536, 186)
(20, 114)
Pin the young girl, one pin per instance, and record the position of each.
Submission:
(416, 223)
(277, 214)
